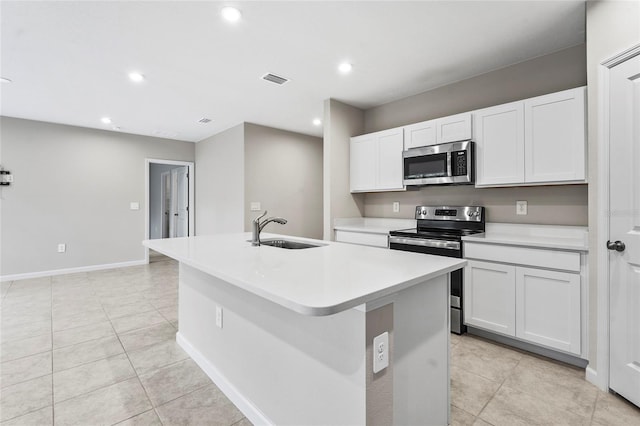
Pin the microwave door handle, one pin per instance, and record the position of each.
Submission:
(449, 164)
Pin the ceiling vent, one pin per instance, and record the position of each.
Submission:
(204, 120)
(275, 78)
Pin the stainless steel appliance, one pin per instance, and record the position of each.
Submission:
(439, 230)
(444, 164)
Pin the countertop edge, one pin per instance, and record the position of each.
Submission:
(303, 309)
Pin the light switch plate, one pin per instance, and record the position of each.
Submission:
(255, 206)
(219, 316)
(381, 352)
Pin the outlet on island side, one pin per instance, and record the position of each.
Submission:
(381, 352)
(62, 248)
(396, 206)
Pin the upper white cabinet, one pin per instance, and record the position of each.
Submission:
(442, 130)
(454, 128)
(376, 161)
(555, 137)
(499, 137)
(534, 141)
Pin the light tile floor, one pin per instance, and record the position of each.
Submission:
(99, 348)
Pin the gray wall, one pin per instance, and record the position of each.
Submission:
(73, 185)
(155, 198)
(220, 182)
(612, 27)
(566, 205)
(549, 205)
(341, 121)
(283, 171)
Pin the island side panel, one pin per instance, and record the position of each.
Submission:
(277, 366)
(380, 384)
(421, 354)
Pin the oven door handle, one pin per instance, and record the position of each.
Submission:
(449, 245)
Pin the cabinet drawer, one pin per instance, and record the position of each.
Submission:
(362, 238)
(551, 259)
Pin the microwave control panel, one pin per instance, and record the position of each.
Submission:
(459, 163)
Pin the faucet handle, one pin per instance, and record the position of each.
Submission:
(257, 219)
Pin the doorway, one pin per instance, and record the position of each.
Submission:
(169, 213)
(619, 251)
(169, 199)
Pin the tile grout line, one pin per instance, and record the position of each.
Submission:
(595, 404)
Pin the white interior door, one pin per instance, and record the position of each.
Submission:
(180, 176)
(624, 229)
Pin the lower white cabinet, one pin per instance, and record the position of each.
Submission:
(536, 305)
(489, 297)
(548, 308)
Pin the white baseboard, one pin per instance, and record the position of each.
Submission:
(29, 275)
(247, 408)
(593, 378)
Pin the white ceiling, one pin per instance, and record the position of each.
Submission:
(69, 61)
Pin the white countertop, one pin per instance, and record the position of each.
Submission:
(541, 236)
(316, 281)
(372, 225)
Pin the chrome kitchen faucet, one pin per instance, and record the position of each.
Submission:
(257, 226)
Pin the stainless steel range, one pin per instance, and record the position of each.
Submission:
(439, 230)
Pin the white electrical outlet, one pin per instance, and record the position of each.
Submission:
(396, 207)
(255, 206)
(219, 316)
(521, 207)
(134, 205)
(62, 248)
(381, 352)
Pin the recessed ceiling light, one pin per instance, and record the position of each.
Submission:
(116, 128)
(345, 67)
(5, 80)
(136, 76)
(106, 120)
(231, 14)
(317, 122)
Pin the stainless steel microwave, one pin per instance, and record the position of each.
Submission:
(443, 164)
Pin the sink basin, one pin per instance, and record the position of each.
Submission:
(288, 244)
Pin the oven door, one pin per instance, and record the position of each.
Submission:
(439, 248)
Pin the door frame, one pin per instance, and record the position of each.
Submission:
(192, 209)
(601, 377)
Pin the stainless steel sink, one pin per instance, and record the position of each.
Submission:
(288, 244)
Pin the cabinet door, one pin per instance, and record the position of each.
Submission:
(548, 308)
(499, 137)
(489, 297)
(389, 174)
(363, 163)
(420, 134)
(454, 128)
(555, 141)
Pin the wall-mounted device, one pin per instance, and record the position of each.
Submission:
(6, 178)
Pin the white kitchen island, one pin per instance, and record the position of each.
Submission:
(287, 335)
